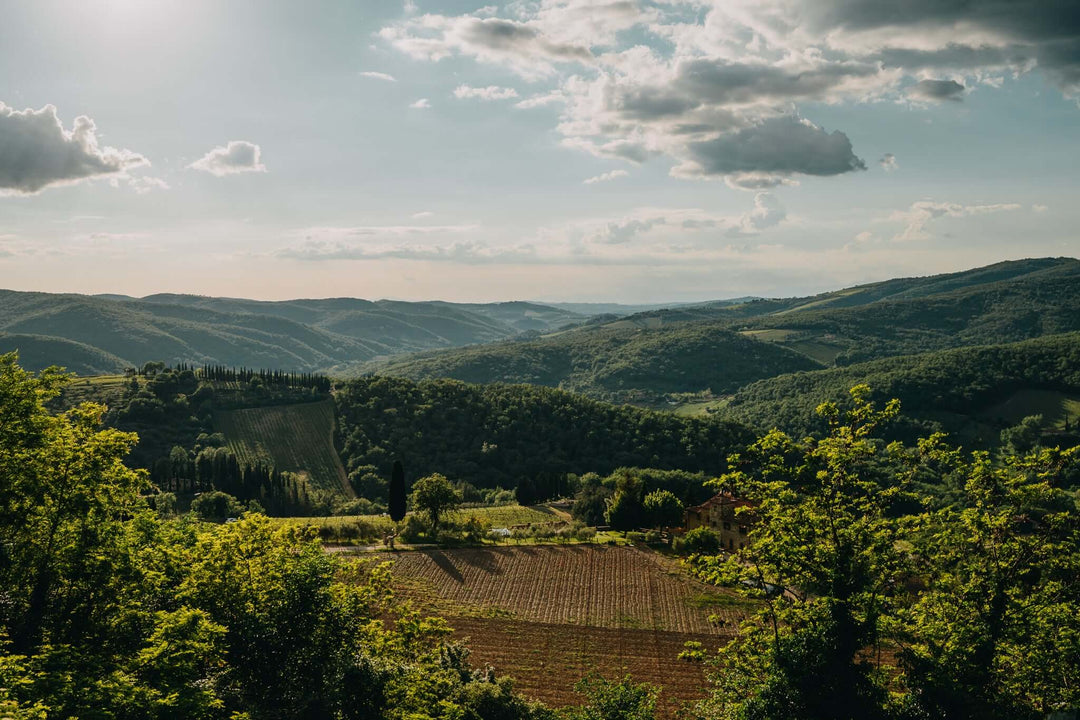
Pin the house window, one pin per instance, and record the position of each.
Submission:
(742, 530)
(727, 525)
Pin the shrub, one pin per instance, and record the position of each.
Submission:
(702, 540)
(216, 505)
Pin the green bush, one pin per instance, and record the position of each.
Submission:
(702, 541)
(216, 505)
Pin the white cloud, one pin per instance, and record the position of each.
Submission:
(937, 90)
(238, 156)
(922, 213)
(888, 162)
(767, 213)
(142, 184)
(378, 76)
(1039, 208)
(464, 251)
(521, 46)
(422, 214)
(421, 104)
(36, 152)
(544, 100)
(491, 92)
(604, 177)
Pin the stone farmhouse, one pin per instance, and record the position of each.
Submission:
(719, 513)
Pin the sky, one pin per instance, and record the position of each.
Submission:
(577, 150)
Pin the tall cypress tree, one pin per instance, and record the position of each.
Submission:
(397, 492)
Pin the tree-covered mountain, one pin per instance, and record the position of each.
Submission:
(1006, 302)
(972, 393)
(615, 362)
(716, 348)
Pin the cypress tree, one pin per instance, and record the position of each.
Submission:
(397, 492)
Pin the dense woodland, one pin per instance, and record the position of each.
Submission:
(498, 435)
(960, 391)
(616, 364)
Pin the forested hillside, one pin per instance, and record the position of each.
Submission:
(1002, 303)
(497, 435)
(613, 363)
(644, 357)
(967, 392)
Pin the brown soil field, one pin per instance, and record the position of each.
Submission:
(548, 615)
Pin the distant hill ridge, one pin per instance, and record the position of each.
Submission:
(716, 348)
(616, 354)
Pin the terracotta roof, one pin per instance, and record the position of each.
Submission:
(722, 498)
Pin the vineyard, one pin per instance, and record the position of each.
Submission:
(547, 615)
(297, 437)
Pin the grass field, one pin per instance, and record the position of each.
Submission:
(298, 438)
(1054, 406)
(546, 615)
(106, 389)
(337, 527)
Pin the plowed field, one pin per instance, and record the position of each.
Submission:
(547, 615)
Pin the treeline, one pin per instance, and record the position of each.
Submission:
(221, 373)
(188, 474)
(500, 435)
(954, 391)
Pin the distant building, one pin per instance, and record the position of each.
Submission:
(718, 513)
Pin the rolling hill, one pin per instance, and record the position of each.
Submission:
(615, 362)
(103, 334)
(692, 349)
(972, 393)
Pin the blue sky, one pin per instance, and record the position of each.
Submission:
(558, 149)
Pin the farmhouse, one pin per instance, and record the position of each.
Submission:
(719, 513)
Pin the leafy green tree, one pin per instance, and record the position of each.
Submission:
(434, 496)
(700, 540)
(663, 509)
(1023, 436)
(624, 510)
(607, 700)
(591, 501)
(525, 492)
(996, 633)
(397, 492)
(216, 505)
(823, 561)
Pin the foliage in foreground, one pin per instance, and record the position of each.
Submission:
(874, 608)
(110, 612)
